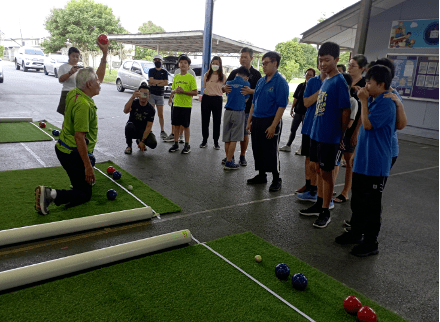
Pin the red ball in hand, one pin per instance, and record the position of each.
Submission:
(352, 305)
(103, 39)
(367, 314)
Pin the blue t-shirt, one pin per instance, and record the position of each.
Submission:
(269, 96)
(373, 151)
(395, 147)
(236, 100)
(313, 85)
(332, 99)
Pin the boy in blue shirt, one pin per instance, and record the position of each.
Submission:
(329, 124)
(234, 116)
(372, 162)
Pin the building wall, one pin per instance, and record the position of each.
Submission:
(423, 116)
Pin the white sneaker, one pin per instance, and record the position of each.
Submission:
(169, 138)
(181, 139)
(286, 148)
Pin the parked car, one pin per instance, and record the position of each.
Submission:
(53, 62)
(1, 71)
(133, 73)
(198, 71)
(29, 58)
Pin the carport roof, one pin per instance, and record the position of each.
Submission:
(341, 28)
(185, 41)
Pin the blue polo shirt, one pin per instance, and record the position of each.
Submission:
(395, 148)
(313, 85)
(332, 99)
(236, 100)
(374, 147)
(269, 96)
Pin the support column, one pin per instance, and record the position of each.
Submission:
(207, 38)
(362, 27)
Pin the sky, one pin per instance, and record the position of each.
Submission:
(262, 23)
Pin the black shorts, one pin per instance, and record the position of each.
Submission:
(326, 154)
(305, 145)
(181, 116)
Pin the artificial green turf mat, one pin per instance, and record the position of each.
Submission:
(17, 196)
(188, 284)
(25, 132)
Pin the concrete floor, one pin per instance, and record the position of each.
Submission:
(216, 203)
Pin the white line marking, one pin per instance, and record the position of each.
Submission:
(43, 131)
(253, 279)
(34, 155)
(412, 171)
(158, 216)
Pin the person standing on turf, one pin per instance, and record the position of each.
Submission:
(80, 119)
(331, 119)
(298, 109)
(265, 121)
(212, 101)
(67, 76)
(158, 79)
(246, 57)
(140, 122)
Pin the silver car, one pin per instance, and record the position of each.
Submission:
(53, 62)
(133, 73)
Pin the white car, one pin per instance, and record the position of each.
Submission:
(53, 62)
(29, 58)
(1, 71)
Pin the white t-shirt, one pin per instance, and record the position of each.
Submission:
(353, 108)
(70, 83)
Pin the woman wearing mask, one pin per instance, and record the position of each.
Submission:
(67, 76)
(212, 101)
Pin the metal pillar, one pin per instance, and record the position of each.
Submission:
(362, 27)
(207, 38)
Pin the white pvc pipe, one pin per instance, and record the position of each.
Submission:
(42, 271)
(22, 234)
(15, 119)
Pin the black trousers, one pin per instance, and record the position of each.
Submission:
(132, 132)
(266, 154)
(211, 105)
(297, 120)
(366, 205)
(82, 190)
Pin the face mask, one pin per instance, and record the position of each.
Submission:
(215, 67)
(157, 64)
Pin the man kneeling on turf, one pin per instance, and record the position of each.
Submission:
(80, 119)
(141, 120)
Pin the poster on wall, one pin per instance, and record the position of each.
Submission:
(423, 33)
(416, 76)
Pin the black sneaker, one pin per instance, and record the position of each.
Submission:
(314, 210)
(323, 220)
(43, 199)
(275, 186)
(365, 249)
(186, 149)
(203, 145)
(224, 160)
(243, 161)
(349, 238)
(257, 179)
(216, 146)
(174, 148)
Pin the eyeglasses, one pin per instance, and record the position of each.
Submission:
(353, 66)
(265, 63)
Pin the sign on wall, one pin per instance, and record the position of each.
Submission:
(423, 33)
(416, 76)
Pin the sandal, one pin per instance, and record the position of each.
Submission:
(128, 150)
(341, 197)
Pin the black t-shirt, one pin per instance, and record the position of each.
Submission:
(299, 95)
(159, 75)
(141, 115)
(253, 80)
(353, 93)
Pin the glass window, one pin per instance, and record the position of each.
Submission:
(127, 65)
(146, 67)
(33, 52)
(136, 67)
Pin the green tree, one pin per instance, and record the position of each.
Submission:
(146, 53)
(344, 58)
(80, 23)
(2, 51)
(290, 51)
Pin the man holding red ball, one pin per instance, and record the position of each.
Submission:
(80, 120)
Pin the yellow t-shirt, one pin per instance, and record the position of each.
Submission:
(188, 84)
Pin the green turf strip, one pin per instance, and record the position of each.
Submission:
(188, 284)
(25, 132)
(17, 196)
